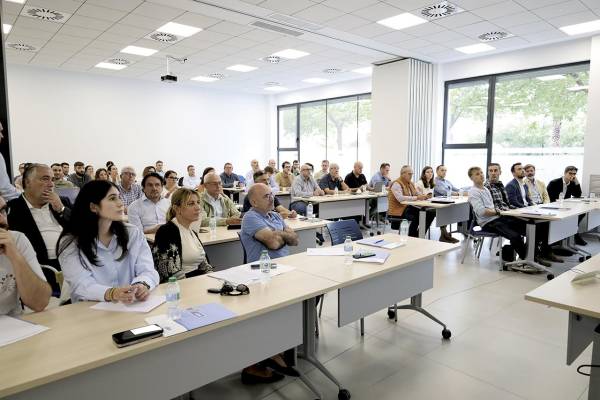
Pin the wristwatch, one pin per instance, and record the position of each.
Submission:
(141, 283)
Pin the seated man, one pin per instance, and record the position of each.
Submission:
(59, 179)
(273, 164)
(271, 175)
(41, 215)
(228, 177)
(129, 191)
(324, 170)
(356, 179)
(159, 168)
(537, 188)
(332, 180)
(516, 189)
(496, 188)
(21, 277)
(79, 177)
(261, 177)
(253, 168)
(488, 216)
(441, 185)
(569, 186)
(149, 212)
(382, 176)
(216, 204)
(285, 178)
(403, 189)
(304, 186)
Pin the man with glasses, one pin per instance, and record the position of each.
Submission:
(129, 191)
(149, 212)
(216, 204)
(304, 186)
(569, 186)
(21, 278)
(285, 178)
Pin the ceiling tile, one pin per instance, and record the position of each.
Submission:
(378, 12)
(593, 4)
(571, 19)
(240, 42)
(109, 46)
(478, 28)
(444, 37)
(413, 44)
(67, 6)
(473, 4)
(113, 38)
(286, 6)
(260, 35)
(349, 5)
(526, 17)
(510, 43)
(209, 36)
(230, 28)
(158, 12)
(32, 23)
(556, 10)
(92, 11)
(370, 30)
(393, 37)
(531, 28)
(30, 33)
(198, 20)
(62, 38)
(79, 32)
(545, 36)
(458, 20)
(11, 8)
(410, 5)
(9, 18)
(424, 29)
(124, 5)
(140, 21)
(499, 10)
(346, 22)
(533, 4)
(127, 30)
(433, 48)
(90, 23)
(318, 13)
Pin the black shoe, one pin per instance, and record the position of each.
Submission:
(563, 252)
(543, 262)
(289, 371)
(579, 241)
(365, 226)
(553, 258)
(250, 379)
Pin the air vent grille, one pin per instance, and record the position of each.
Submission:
(217, 75)
(440, 10)
(163, 37)
(492, 36)
(296, 22)
(119, 61)
(45, 14)
(333, 71)
(273, 59)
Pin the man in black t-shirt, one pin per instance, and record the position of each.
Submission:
(356, 178)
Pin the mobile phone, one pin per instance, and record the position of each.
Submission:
(137, 335)
(254, 266)
(214, 290)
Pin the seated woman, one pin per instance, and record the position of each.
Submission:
(177, 248)
(113, 174)
(101, 174)
(89, 171)
(425, 183)
(206, 171)
(102, 258)
(171, 185)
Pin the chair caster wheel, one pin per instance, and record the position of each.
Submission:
(581, 259)
(379, 232)
(550, 277)
(588, 257)
(446, 333)
(344, 394)
(391, 314)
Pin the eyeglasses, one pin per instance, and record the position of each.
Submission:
(268, 196)
(229, 290)
(5, 210)
(173, 177)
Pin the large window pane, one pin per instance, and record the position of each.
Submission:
(313, 131)
(288, 127)
(287, 156)
(540, 118)
(458, 162)
(466, 116)
(342, 132)
(364, 133)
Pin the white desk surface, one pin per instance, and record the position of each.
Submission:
(579, 298)
(328, 198)
(430, 204)
(570, 209)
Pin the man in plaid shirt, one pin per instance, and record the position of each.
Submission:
(496, 188)
(129, 191)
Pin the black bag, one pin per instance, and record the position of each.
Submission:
(508, 253)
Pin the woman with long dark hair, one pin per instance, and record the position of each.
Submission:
(102, 258)
(425, 183)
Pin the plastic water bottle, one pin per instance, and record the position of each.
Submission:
(403, 231)
(173, 296)
(449, 193)
(212, 226)
(335, 191)
(348, 249)
(265, 266)
(309, 211)
(561, 197)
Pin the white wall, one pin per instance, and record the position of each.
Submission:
(591, 163)
(68, 116)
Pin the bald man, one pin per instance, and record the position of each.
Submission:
(253, 168)
(356, 179)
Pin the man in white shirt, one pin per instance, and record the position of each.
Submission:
(191, 181)
(273, 164)
(21, 277)
(159, 168)
(149, 212)
(254, 167)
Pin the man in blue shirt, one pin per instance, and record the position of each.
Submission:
(263, 228)
(382, 176)
(442, 185)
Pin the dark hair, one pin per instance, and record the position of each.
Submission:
(146, 170)
(383, 165)
(158, 162)
(152, 175)
(189, 166)
(226, 164)
(526, 166)
(169, 173)
(52, 166)
(296, 161)
(568, 169)
(473, 169)
(428, 184)
(283, 164)
(310, 165)
(65, 163)
(78, 164)
(268, 170)
(258, 174)
(206, 171)
(82, 229)
(512, 167)
(88, 166)
(97, 175)
(493, 164)
(438, 167)
(109, 164)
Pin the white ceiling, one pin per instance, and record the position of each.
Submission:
(346, 37)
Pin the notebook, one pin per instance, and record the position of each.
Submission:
(384, 244)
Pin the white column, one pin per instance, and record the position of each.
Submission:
(591, 161)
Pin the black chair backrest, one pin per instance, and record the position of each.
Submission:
(243, 248)
(338, 231)
(180, 182)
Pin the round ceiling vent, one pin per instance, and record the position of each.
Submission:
(21, 46)
(119, 61)
(217, 75)
(272, 59)
(440, 10)
(491, 36)
(46, 14)
(164, 37)
(332, 70)
(268, 84)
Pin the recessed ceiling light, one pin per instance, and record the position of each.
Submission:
(139, 51)
(402, 21)
(6, 28)
(364, 70)
(107, 65)
(585, 27)
(17, 1)
(315, 80)
(275, 88)
(241, 68)
(551, 77)
(475, 48)
(578, 88)
(179, 29)
(290, 54)
(204, 79)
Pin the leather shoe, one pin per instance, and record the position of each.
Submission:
(553, 258)
(563, 252)
(289, 371)
(543, 262)
(579, 241)
(251, 379)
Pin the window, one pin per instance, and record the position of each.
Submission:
(336, 129)
(534, 117)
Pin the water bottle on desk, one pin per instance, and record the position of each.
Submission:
(348, 249)
(309, 211)
(561, 197)
(403, 231)
(212, 227)
(172, 296)
(449, 193)
(265, 266)
(335, 191)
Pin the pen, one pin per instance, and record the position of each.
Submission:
(379, 241)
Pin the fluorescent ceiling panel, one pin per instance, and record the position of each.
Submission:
(241, 68)
(106, 65)
(291, 54)
(584, 27)
(475, 48)
(179, 29)
(402, 21)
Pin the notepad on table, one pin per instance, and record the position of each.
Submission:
(139, 306)
(13, 330)
(379, 257)
(384, 244)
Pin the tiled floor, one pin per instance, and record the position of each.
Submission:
(502, 346)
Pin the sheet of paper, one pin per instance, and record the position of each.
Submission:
(139, 306)
(380, 243)
(378, 258)
(246, 275)
(325, 251)
(13, 330)
(169, 326)
(204, 314)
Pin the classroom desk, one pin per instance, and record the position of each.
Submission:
(225, 250)
(445, 213)
(343, 205)
(583, 304)
(76, 358)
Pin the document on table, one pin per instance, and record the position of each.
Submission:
(325, 251)
(246, 275)
(378, 258)
(169, 326)
(380, 243)
(204, 314)
(539, 212)
(138, 306)
(13, 330)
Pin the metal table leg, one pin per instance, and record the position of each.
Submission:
(422, 222)
(416, 303)
(529, 264)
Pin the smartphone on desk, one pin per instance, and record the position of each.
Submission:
(137, 335)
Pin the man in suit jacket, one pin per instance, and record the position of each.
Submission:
(568, 184)
(517, 190)
(41, 215)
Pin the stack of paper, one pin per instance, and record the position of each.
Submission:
(246, 275)
(13, 330)
(192, 318)
(139, 306)
(380, 243)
